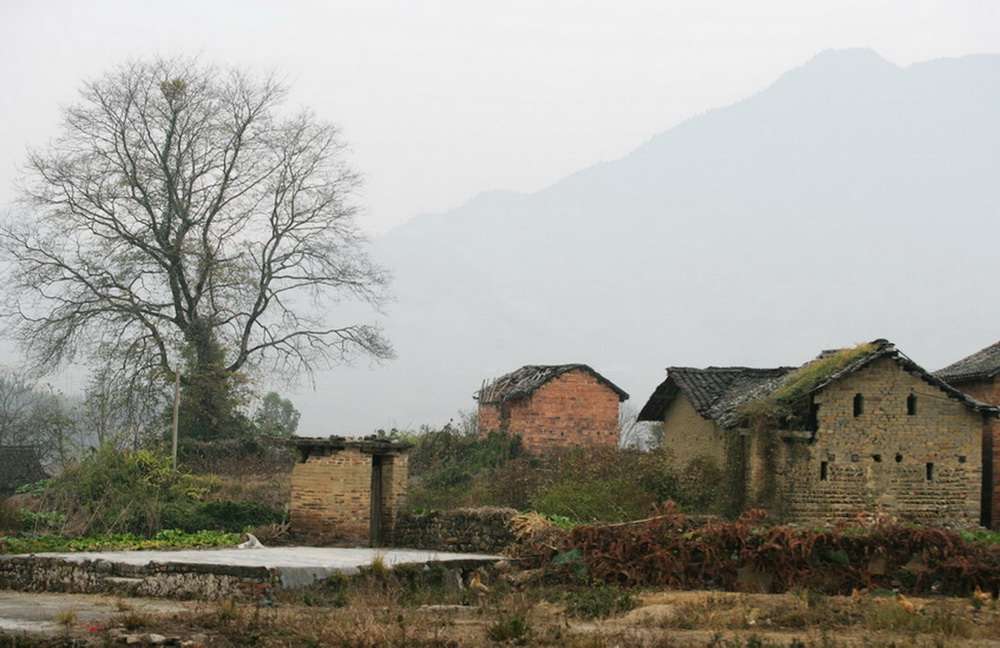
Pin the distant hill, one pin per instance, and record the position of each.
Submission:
(852, 199)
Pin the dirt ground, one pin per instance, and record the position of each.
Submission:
(717, 619)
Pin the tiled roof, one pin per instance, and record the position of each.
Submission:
(523, 382)
(717, 392)
(884, 348)
(981, 365)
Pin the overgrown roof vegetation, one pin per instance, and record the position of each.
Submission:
(788, 406)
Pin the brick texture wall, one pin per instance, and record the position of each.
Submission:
(331, 498)
(924, 466)
(988, 391)
(571, 410)
(689, 436)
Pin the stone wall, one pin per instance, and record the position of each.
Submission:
(574, 409)
(178, 581)
(919, 458)
(482, 530)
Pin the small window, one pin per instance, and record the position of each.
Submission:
(877, 458)
(911, 405)
(824, 469)
(962, 459)
(899, 458)
(859, 404)
(930, 472)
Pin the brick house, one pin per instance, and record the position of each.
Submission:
(978, 375)
(862, 429)
(552, 406)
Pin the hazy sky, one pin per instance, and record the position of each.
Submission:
(442, 99)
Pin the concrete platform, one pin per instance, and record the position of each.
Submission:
(208, 572)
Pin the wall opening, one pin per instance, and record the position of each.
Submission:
(824, 470)
(877, 458)
(375, 535)
(911, 405)
(899, 458)
(812, 423)
(930, 472)
(859, 404)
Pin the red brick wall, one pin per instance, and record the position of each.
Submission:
(571, 410)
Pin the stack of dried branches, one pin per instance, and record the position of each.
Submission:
(665, 551)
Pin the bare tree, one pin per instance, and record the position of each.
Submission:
(182, 223)
(633, 433)
(122, 409)
(34, 415)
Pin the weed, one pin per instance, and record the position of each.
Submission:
(515, 629)
(599, 603)
(132, 619)
(66, 617)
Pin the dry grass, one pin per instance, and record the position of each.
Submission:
(391, 607)
(372, 614)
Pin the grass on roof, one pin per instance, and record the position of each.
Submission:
(788, 406)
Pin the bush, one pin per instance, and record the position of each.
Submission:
(114, 491)
(612, 500)
(702, 489)
(228, 516)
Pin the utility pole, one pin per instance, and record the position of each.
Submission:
(177, 409)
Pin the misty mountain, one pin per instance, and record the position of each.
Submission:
(850, 200)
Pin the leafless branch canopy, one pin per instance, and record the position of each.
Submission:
(178, 204)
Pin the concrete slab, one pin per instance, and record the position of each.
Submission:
(32, 613)
(296, 566)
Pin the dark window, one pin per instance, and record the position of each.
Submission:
(859, 404)
(961, 459)
(823, 470)
(899, 458)
(911, 404)
(877, 458)
(930, 472)
(813, 422)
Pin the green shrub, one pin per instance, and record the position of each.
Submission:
(229, 516)
(35, 487)
(612, 500)
(42, 521)
(702, 489)
(114, 491)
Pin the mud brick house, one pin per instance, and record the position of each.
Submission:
(552, 406)
(978, 375)
(348, 491)
(863, 429)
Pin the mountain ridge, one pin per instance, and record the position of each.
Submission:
(832, 207)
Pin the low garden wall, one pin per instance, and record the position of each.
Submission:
(481, 530)
(167, 580)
